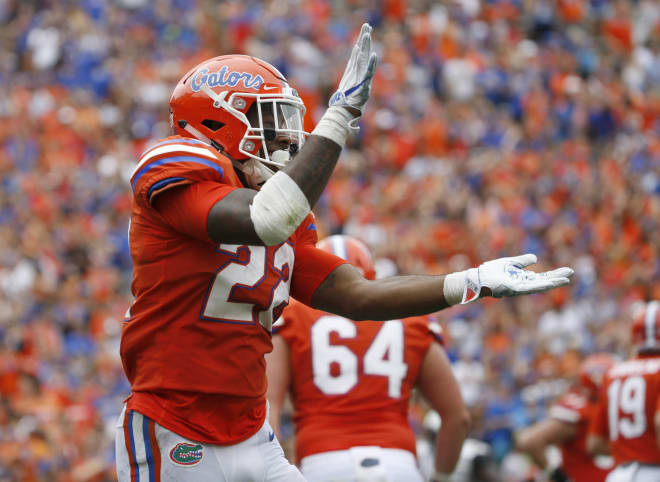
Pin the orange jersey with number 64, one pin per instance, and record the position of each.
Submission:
(629, 400)
(351, 381)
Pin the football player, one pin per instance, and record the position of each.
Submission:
(350, 383)
(221, 232)
(567, 426)
(627, 420)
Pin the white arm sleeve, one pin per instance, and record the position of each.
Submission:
(278, 209)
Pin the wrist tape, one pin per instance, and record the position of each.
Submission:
(334, 125)
(462, 287)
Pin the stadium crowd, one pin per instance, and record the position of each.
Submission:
(495, 128)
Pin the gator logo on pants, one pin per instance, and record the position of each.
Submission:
(186, 454)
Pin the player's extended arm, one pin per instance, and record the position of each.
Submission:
(535, 439)
(277, 374)
(440, 388)
(346, 293)
(269, 216)
(597, 445)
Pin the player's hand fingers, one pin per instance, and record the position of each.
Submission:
(349, 71)
(563, 272)
(352, 60)
(523, 260)
(371, 68)
(537, 286)
(557, 282)
(365, 31)
(365, 51)
(365, 41)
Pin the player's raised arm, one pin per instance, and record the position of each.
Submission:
(271, 214)
(345, 292)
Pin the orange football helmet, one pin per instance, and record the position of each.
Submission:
(352, 250)
(646, 327)
(215, 100)
(592, 371)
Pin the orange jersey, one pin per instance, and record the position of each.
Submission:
(575, 407)
(628, 402)
(351, 381)
(194, 340)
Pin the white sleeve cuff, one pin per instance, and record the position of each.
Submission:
(334, 125)
(453, 287)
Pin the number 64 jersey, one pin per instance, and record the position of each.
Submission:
(194, 340)
(351, 381)
(629, 400)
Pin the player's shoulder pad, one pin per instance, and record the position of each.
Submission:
(176, 161)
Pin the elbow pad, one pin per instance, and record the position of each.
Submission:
(278, 209)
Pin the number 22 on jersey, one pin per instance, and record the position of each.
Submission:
(384, 356)
(251, 285)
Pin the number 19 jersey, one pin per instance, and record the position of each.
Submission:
(194, 340)
(351, 381)
(628, 402)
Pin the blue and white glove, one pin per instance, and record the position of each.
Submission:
(347, 103)
(355, 85)
(503, 277)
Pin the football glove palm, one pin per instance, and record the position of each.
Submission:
(502, 277)
(506, 277)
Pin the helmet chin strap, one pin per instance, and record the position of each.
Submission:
(195, 133)
(256, 172)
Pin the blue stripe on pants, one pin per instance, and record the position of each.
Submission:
(148, 449)
(133, 454)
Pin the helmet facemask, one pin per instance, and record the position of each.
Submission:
(271, 119)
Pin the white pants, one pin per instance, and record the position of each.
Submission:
(154, 454)
(634, 473)
(361, 464)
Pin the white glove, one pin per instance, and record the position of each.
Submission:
(504, 277)
(355, 85)
(352, 94)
